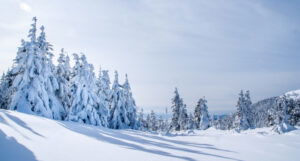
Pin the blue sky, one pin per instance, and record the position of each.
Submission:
(209, 48)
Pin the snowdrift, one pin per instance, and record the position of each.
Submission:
(32, 138)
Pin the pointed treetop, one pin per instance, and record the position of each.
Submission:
(61, 58)
(241, 93)
(42, 28)
(32, 31)
(116, 81)
(83, 58)
(116, 76)
(34, 19)
(176, 92)
(126, 84)
(44, 45)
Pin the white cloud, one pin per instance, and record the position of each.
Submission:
(25, 7)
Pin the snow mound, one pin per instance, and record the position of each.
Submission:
(33, 138)
(283, 128)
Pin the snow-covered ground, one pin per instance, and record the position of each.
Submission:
(27, 137)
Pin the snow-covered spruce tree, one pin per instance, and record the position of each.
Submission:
(153, 122)
(148, 124)
(191, 122)
(183, 118)
(118, 118)
(177, 104)
(5, 83)
(3, 89)
(104, 93)
(241, 121)
(161, 126)
(282, 124)
(129, 104)
(84, 101)
(201, 115)
(167, 124)
(249, 110)
(104, 90)
(34, 81)
(141, 122)
(63, 74)
(294, 112)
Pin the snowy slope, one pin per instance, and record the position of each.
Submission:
(28, 137)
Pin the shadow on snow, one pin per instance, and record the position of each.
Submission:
(12, 150)
(119, 137)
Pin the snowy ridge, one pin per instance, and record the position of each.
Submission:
(35, 138)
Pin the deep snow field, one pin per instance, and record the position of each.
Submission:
(26, 137)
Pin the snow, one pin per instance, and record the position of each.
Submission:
(293, 94)
(29, 137)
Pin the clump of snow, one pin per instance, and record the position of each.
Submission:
(283, 128)
(293, 94)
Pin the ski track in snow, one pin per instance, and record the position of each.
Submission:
(31, 138)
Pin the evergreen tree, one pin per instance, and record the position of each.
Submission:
(148, 122)
(5, 91)
(183, 118)
(167, 124)
(118, 118)
(161, 124)
(177, 104)
(294, 112)
(141, 122)
(129, 104)
(249, 110)
(201, 115)
(104, 92)
(282, 124)
(63, 74)
(153, 121)
(33, 79)
(191, 122)
(85, 102)
(241, 119)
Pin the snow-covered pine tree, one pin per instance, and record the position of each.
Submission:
(241, 121)
(104, 94)
(282, 124)
(153, 121)
(167, 124)
(33, 79)
(148, 124)
(63, 74)
(5, 91)
(104, 90)
(294, 112)
(129, 104)
(250, 112)
(141, 122)
(161, 124)
(118, 118)
(183, 118)
(191, 122)
(85, 102)
(201, 115)
(177, 104)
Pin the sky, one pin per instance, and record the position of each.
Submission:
(211, 48)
